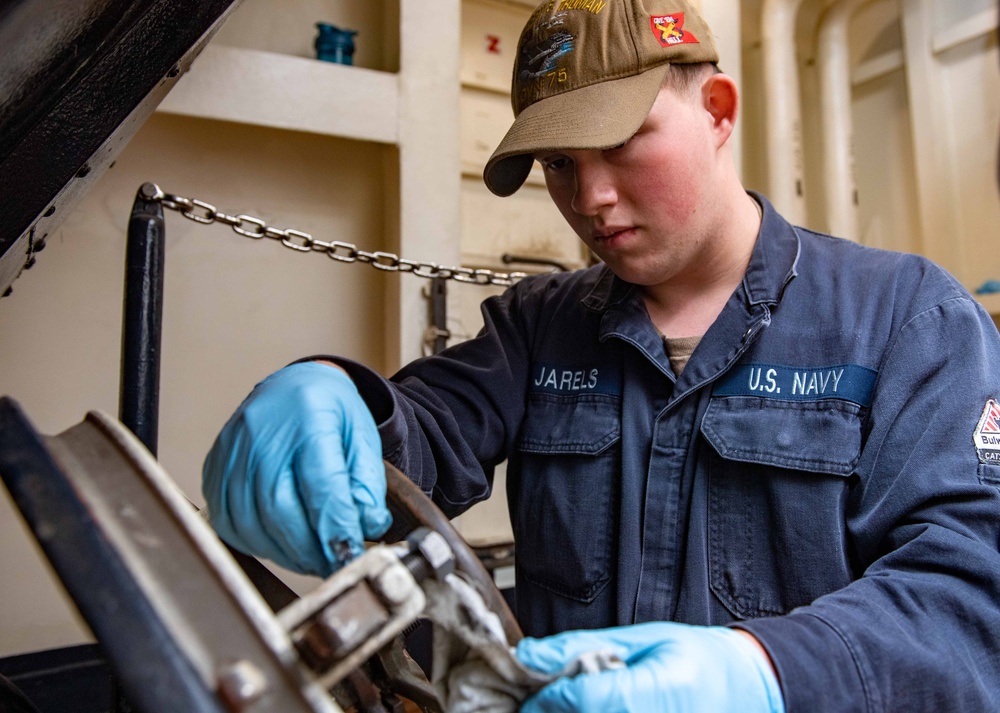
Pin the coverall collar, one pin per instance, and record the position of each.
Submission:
(775, 257)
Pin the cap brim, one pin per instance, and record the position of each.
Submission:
(598, 116)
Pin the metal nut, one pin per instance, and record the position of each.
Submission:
(438, 554)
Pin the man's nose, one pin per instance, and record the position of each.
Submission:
(594, 188)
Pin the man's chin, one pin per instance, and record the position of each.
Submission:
(636, 272)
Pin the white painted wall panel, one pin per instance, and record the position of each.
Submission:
(971, 93)
(528, 225)
(490, 31)
(882, 142)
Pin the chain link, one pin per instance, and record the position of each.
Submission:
(256, 228)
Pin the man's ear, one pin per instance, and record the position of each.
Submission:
(721, 99)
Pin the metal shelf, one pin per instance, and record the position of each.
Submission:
(287, 92)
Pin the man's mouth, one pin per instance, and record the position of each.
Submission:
(611, 235)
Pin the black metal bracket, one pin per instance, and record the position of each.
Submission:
(77, 80)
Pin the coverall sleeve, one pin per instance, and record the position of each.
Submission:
(918, 629)
(447, 420)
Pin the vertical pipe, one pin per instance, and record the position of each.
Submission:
(835, 109)
(937, 201)
(438, 296)
(786, 183)
(138, 405)
(429, 165)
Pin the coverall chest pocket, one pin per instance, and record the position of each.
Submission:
(989, 474)
(570, 453)
(778, 481)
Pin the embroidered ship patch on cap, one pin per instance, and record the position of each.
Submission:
(987, 434)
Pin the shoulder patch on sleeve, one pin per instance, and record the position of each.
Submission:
(987, 434)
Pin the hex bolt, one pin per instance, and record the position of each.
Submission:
(395, 585)
(240, 684)
(148, 191)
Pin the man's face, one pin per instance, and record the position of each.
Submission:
(645, 207)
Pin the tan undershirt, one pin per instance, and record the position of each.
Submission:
(680, 349)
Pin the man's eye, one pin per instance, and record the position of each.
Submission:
(556, 163)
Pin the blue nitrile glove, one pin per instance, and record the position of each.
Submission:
(670, 668)
(296, 475)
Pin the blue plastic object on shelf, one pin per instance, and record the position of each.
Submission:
(334, 44)
(990, 287)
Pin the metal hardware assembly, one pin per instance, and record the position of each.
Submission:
(186, 629)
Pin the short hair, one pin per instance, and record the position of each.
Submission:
(683, 78)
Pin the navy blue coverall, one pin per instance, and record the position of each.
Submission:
(821, 474)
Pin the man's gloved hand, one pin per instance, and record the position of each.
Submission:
(297, 473)
(670, 668)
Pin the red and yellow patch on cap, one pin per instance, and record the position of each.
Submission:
(669, 30)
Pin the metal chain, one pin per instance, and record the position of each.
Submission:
(256, 228)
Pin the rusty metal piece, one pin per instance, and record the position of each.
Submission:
(356, 616)
(410, 508)
(341, 627)
(401, 674)
(369, 698)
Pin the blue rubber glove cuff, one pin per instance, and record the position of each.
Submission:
(297, 473)
(670, 667)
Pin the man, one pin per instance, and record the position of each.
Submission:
(756, 462)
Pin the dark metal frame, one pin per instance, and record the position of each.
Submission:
(77, 80)
(91, 569)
